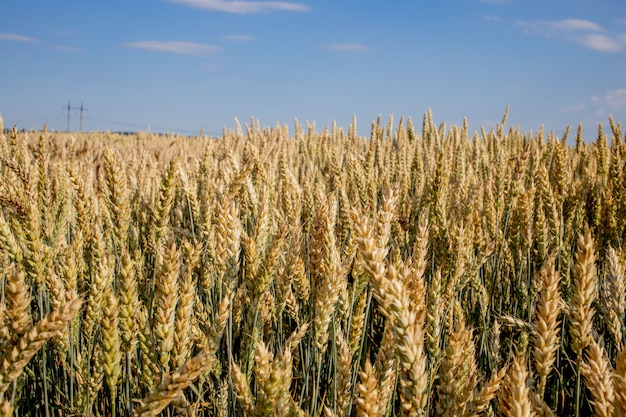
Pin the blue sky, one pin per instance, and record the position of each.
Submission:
(180, 65)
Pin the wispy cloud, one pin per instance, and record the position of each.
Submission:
(576, 24)
(245, 7)
(556, 28)
(610, 101)
(239, 38)
(600, 42)
(616, 99)
(184, 48)
(16, 38)
(583, 32)
(346, 47)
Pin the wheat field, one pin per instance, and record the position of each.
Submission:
(422, 271)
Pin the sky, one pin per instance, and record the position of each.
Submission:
(185, 65)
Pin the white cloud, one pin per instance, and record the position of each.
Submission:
(244, 7)
(583, 32)
(575, 24)
(184, 48)
(558, 28)
(600, 42)
(346, 47)
(611, 101)
(17, 38)
(239, 38)
(616, 99)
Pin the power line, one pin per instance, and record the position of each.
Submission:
(137, 125)
(129, 124)
(69, 111)
(117, 122)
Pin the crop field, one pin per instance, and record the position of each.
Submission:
(422, 270)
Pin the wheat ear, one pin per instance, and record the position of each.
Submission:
(172, 386)
(546, 324)
(585, 293)
(367, 404)
(514, 396)
(166, 300)
(6, 408)
(18, 311)
(614, 293)
(29, 344)
(598, 377)
(111, 343)
(619, 384)
(458, 369)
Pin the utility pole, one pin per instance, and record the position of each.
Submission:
(69, 112)
(81, 116)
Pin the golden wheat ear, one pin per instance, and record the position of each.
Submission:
(28, 345)
(172, 385)
(585, 292)
(598, 376)
(6, 409)
(18, 310)
(546, 325)
(619, 383)
(367, 402)
(514, 396)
